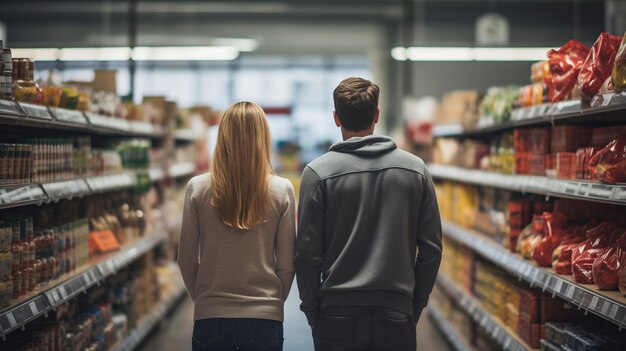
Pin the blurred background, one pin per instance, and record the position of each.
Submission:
(129, 93)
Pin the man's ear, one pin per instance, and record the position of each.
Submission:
(337, 120)
(377, 114)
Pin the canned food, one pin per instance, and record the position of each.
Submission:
(8, 60)
(31, 69)
(7, 78)
(23, 66)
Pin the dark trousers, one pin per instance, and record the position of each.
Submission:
(364, 328)
(245, 334)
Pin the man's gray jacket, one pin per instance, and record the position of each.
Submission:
(365, 209)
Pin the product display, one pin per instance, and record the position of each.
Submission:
(565, 256)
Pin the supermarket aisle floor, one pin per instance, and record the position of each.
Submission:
(175, 333)
(428, 337)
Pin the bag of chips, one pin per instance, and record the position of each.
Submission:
(608, 265)
(555, 225)
(599, 238)
(565, 64)
(598, 65)
(609, 164)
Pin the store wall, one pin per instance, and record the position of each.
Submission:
(437, 78)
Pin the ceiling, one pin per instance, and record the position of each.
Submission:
(299, 27)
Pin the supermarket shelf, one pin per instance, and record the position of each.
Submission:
(156, 174)
(610, 105)
(455, 340)
(182, 169)
(66, 288)
(149, 322)
(35, 116)
(445, 130)
(610, 305)
(22, 195)
(187, 135)
(499, 332)
(567, 188)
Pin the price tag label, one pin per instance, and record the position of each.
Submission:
(11, 318)
(33, 308)
(613, 311)
(69, 116)
(600, 191)
(558, 285)
(5, 199)
(8, 107)
(63, 292)
(594, 302)
(570, 292)
(605, 308)
(36, 111)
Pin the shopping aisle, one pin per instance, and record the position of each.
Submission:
(175, 333)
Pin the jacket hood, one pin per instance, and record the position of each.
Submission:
(369, 145)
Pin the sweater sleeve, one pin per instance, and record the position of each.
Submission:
(286, 242)
(310, 243)
(429, 247)
(188, 246)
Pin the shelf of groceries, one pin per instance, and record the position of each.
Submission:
(149, 322)
(609, 305)
(506, 338)
(568, 188)
(610, 105)
(446, 329)
(531, 185)
(37, 116)
(23, 195)
(43, 300)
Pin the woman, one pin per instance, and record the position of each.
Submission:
(237, 239)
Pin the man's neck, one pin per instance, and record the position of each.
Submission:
(347, 134)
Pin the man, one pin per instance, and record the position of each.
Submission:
(365, 207)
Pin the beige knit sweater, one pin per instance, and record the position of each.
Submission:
(232, 273)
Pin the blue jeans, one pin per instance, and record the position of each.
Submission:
(244, 334)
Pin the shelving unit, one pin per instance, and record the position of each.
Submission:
(22, 195)
(67, 287)
(148, 323)
(186, 135)
(27, 115)
(609, 305)
(46, 299)
(567, 188)
(499, 332)
(607, 108)
(447, 330)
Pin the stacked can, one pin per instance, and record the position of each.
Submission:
(6, 73)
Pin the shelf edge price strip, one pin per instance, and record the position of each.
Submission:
(553, 283)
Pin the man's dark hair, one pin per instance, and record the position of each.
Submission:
(356, 102)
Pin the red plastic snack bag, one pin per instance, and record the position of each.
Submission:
(583, 256)
(607, 267)
(598, 65)
(554, 225)
(562, 255)
(565, 64)
(609, 164)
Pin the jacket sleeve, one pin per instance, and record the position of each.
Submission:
(429, 247)
(286, 242)
(310, 243)
(188, 246)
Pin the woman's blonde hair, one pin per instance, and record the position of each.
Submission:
(241, 166)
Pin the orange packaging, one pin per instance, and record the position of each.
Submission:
(103, 241)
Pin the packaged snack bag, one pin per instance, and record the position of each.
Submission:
(598, 64)
(607, 267)
(609, 164)
(565, 64)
